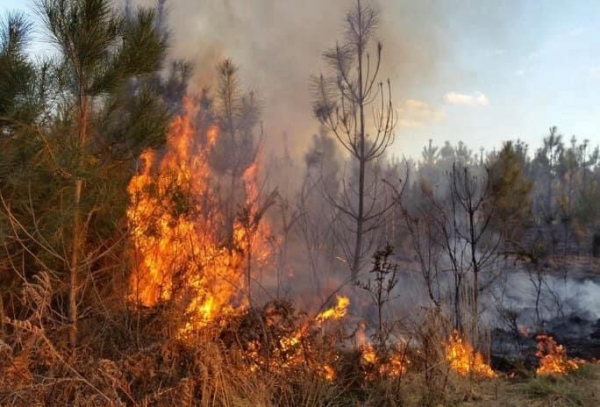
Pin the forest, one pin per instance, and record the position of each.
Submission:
(157, 250)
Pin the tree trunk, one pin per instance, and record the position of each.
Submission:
(74, 267)
(249, 265)
(231, 211)
(77, 243)
(359, 221)
(356, 261)
(475, 265)
(457, 317)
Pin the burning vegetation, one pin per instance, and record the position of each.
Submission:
(390, 363)
(464, 359)
(294, 343)
(176, 226)
(553, 358)
(149, 258)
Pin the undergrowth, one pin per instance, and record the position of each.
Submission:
(269, 356)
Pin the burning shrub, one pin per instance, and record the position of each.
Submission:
(391, 364)
(463, 358)
(176, 218)
(280, 340)
(553, 358)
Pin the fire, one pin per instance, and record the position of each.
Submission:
(337, 312)
(463, 359)
(553, 357)
(175, 219)
(394, 365)
(298, 347)
(368, 354)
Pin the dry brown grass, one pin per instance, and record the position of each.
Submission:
(144, 364)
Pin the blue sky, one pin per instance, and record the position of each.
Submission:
(516, 68)
(22, 5)
(511, 70)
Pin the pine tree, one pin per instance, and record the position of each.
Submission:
(342, 101)
(511, 193)
(68, 160)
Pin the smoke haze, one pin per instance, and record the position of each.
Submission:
(278, 45)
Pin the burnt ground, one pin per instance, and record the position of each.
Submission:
(577, 328)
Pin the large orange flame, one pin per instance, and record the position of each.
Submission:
(174, 217)
(463, 359)
(553, 358)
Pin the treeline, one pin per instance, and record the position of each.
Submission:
(464, 220)
(549, 191)
(469, 220)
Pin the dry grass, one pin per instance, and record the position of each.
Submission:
(204, 373)
(144, 364)
(580, 388)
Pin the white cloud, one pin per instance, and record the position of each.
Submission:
(414, 113)
(475, 99)
(593, 71)
(520, 72)
(535, 55)
(496, 52)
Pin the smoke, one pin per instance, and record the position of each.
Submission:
(558, 296)
(278, 45)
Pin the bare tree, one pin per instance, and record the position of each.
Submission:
(455, 244)
(341, 101)
(315, 217)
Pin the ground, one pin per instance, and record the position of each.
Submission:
(581, 388)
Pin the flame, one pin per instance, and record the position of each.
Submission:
(553, 358)
(174, 217)
(293, 352)
(301, 347)
(368, 354)
(463, 359)
(337, 312)
(392, 366)
(328, 372)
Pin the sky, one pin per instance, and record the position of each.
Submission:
(483, 71)
(517, 68)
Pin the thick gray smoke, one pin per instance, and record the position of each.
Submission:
(278, 45)
(558, 296)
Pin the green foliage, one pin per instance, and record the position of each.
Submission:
(510, 191)
(21, 82)
(82, 118)
(563, 390)
(101, 48)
